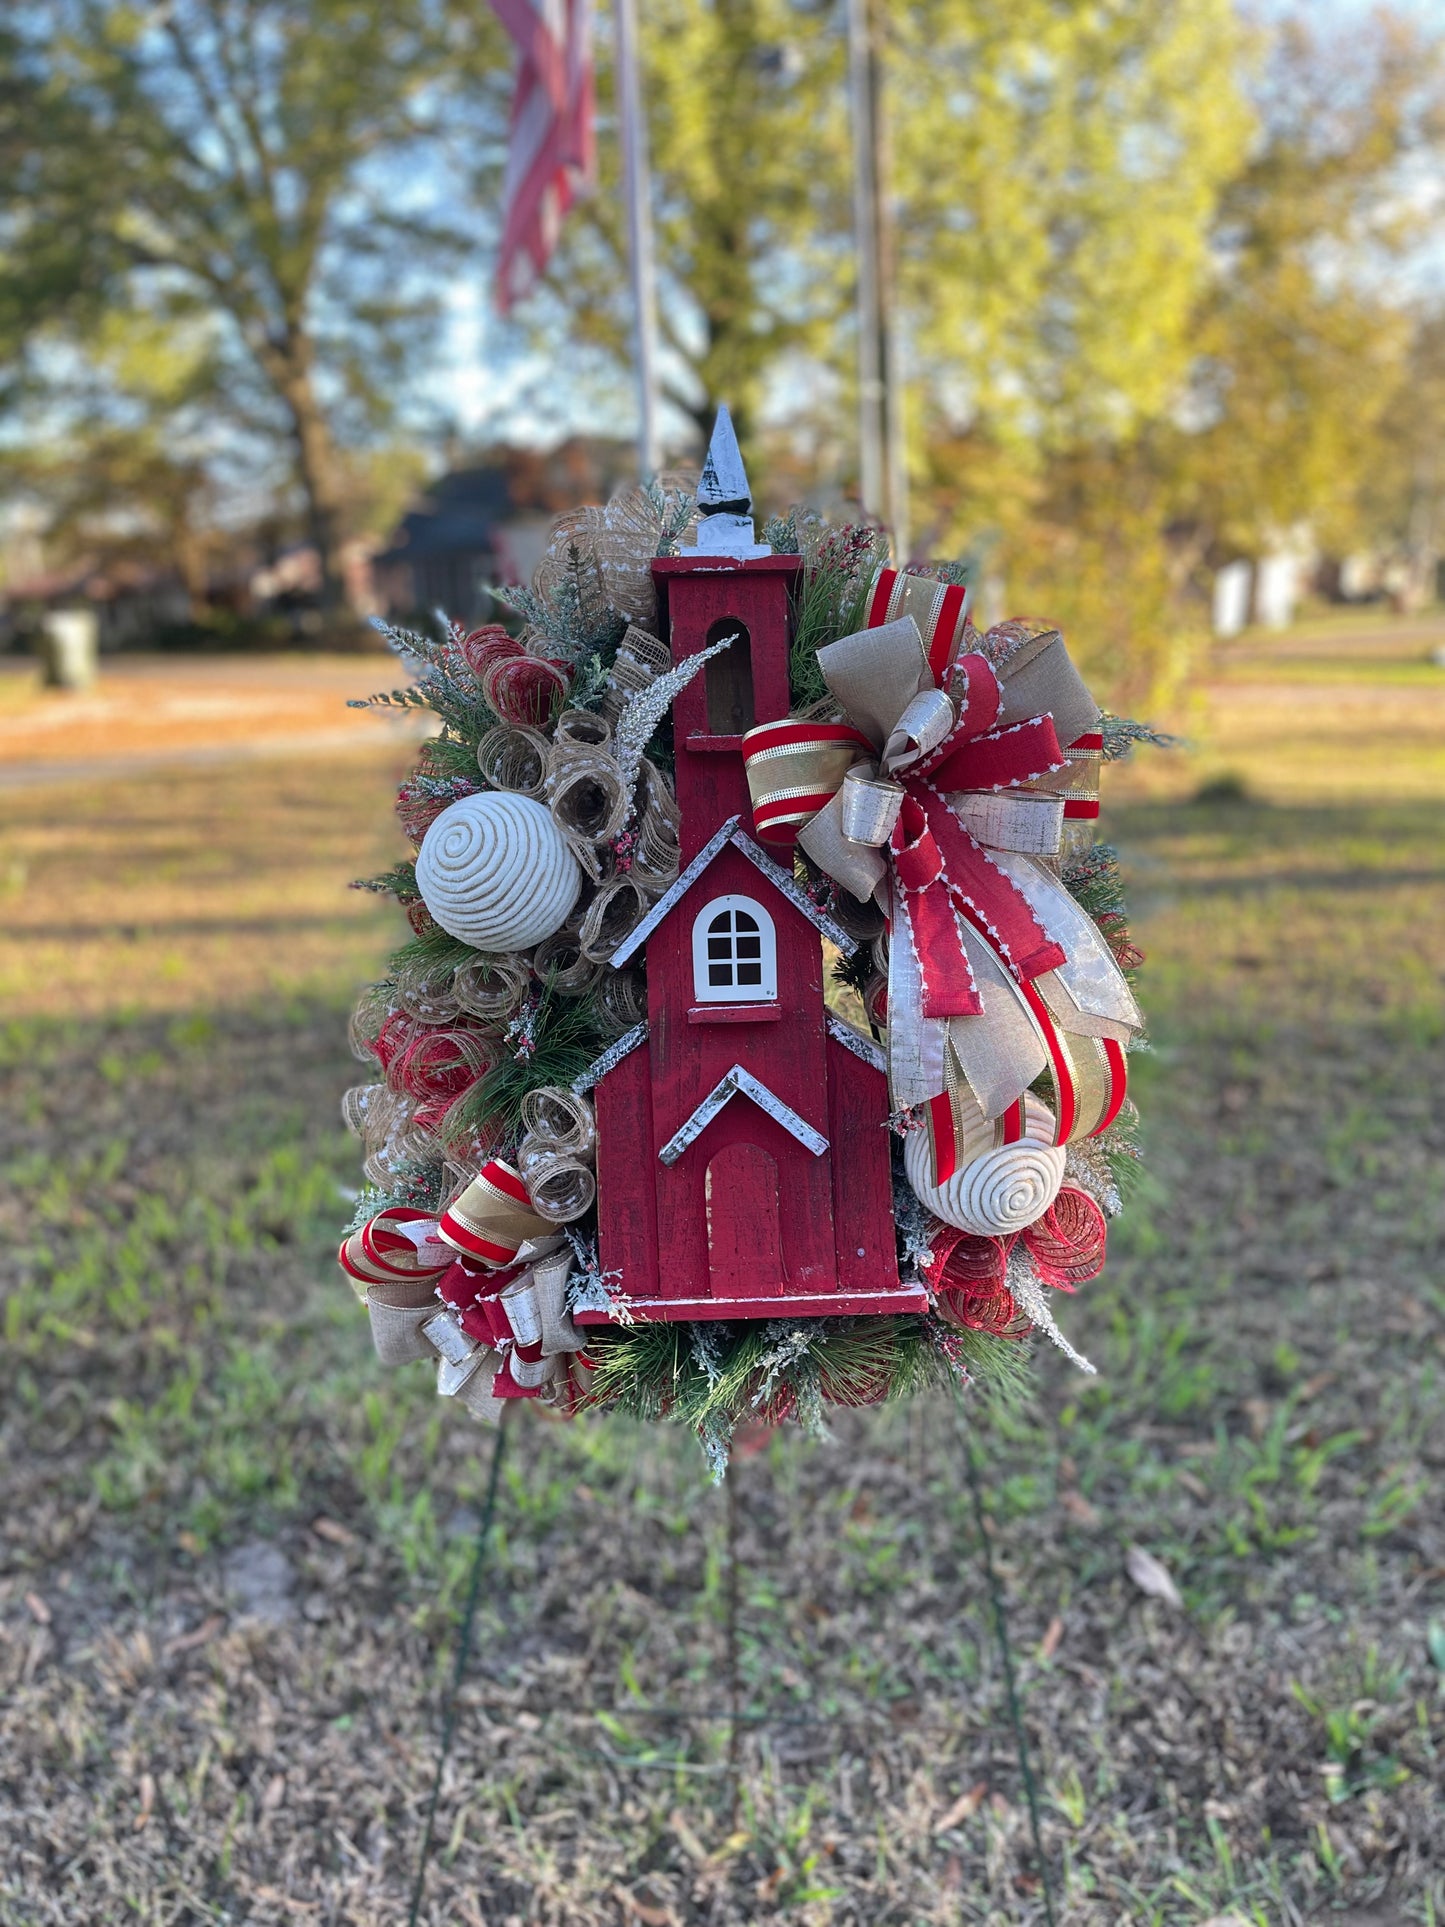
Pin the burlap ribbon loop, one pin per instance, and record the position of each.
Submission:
(493, 1218)
(398, 1312)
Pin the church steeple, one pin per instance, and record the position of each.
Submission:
(724, 499)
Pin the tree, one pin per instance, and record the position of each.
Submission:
(749, 149)
(1302, 338)
(1402, 494)
(1301, 392)
(1054, 173)
(1057, 173)
(269, 173)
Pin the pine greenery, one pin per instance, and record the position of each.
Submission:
(553, 1043)
(399, 882)
(838, 568)
(444, 680)
(711, 1376)
(430, 953)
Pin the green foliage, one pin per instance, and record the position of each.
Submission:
(1298, 362)
(1123, 736)
(447, 757)
(398, 882)
(714, 1376)
(552, 1042)
(1089, 147)
(839, 564)
(410, 698)
(1095, 880)
(445, 685)
(429, 953)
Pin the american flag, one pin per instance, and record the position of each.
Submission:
(551, 152)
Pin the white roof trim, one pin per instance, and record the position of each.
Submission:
(782, 881)
(674, 895)
(785, 881)
(843, 1033)
(741, 1082)
(612, 1056)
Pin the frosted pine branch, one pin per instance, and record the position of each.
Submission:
(642, 713)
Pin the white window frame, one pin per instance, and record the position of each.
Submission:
(704, 992)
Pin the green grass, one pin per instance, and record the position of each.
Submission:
(190, 1374)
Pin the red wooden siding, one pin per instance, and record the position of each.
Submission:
(862, 1185)
(701, 596)
(626, 1181)
(746, 1221)
(690, 1058)
(744, 1247)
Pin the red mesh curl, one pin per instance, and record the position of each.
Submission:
(1067, 1244)
(524, 690)
(488, 645)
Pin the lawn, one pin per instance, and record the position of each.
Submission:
(236, 1551)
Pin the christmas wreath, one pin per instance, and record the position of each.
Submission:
(565, 1201)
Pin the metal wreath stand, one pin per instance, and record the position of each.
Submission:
(972, 1461)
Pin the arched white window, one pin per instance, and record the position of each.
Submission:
(734, 953)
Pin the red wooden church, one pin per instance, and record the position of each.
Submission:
(743, 1152)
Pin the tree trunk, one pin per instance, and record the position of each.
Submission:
(315, 465)
(1422, 543)
(190, 549)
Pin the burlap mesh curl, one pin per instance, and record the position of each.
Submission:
(491, 987)
(622, 999)
(512, 757)
(616, 910)
(559, 961)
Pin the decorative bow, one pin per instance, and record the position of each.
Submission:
(482, 1291)
(937, 794)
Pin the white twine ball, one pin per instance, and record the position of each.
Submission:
(495, 872)
(998, 1191)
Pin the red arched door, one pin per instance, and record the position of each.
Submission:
(744, 1234)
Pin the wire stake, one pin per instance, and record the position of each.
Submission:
(464, 1648)
(971, 1459)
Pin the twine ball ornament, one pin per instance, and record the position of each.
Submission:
(495, 872)
(998, 1191)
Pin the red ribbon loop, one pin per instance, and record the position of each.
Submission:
(995, 759)
(915, 852)
(935, 855)
(976, 691)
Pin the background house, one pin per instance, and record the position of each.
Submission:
(488, 523)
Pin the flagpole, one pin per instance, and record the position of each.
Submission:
(637, 186)
(882, 472)
(871, 466)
